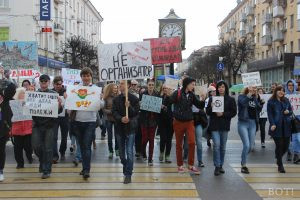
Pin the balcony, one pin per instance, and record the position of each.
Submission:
(227, 29)
(59, 1)
(242, 33)
(266, 40)
(243, 17)
(267, 18)
(278, 11)
(58, 28)
(232, 39)
(232, 26)
(249, 29)
(249, 11)
(278, 36)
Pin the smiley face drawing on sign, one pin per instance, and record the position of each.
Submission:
(82, 93)
(218, 103)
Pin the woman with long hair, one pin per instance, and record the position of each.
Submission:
(219, 125)
(165, 126)
(249, 108)
(279, 115)
(110, 92)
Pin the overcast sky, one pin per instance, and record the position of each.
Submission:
(134, 20)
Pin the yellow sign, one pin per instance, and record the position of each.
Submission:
(4, 33)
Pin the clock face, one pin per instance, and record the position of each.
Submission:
(171, 30)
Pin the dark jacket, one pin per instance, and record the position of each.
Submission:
(278, 118)
(7, 91)
(243, 103)
(46, 122)
(119, 111)
(147, 118)
(107, 110)
(221, 123)
(183, 105)
(166, 114)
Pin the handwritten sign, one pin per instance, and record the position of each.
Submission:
(70, 76)
(295, 102)
(151, 103)
(83, 98)
(125, 61)
(24, 74)
(166, 50)
(17, 109)
(218, 104)
(264, 111)
(251, 79)
(172, 83)
(41, 104)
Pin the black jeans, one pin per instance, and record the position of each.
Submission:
(262, 127)
(138, 139)
(282, 146)
(63, 123)
(22, 142)
(3, 141)
(165, 130)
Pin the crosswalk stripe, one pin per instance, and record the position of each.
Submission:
(272, 179)
(268, 170)
(112, 198)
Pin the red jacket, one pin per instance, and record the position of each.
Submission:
(22, 128)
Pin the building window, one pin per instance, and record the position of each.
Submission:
(266, 30)
(298, 11)
(292, 46)
(267, 53)
(262, 55)
(292, 21)
(298, 44)
(258, 35)
(4, 3)
(284, 48)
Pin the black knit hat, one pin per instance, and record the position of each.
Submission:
(187, 81)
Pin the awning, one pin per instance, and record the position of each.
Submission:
(51, 63)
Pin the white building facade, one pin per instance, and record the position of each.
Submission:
(20, 21)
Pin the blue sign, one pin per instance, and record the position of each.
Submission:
(220, 66)
(45, 10)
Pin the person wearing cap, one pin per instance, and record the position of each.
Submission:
(219, 125)
(43, 133)
(183, 123)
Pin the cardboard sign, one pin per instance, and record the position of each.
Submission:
(17, 109)
(125, 61)
(41, 104)
(151, 103)
(166, 50)
(83, 98)
(218, 104)
(251, 79)
(24, 74)
(172, 83)
(295, 102)
(70, 76)
(264, 111)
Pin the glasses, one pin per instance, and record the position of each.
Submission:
(150, 84)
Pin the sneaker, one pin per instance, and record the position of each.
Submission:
(20, 167)
(281, 169)
(222, 171)
(137, 155)
(62, 157)
(144, 159)
(86, 175)
(1, 177)
(75, 161)
(200, 164)
(245, 170)
(117, 153)
(194, 170)
(45, 176)
(127, 179)
(168, 160)
(150, 163)
(181, 169)
(161, 157)
(81, 173)
(263, 145)
(289, 156)
(55, 160)
(110, 155)
(217, 171)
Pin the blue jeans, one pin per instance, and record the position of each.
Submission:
(199, 133)
(126, 143)
(85, 131)
(63, 123)
(296, 143)
(247, 131)
(219, 147)
(42, 144)
(109, 128)
(78, 152)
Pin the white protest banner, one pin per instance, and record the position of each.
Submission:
(70, 76)
(264, 112)
(201, 90)
(63, 101)
(251, 79)
(218, 104)
(151, 103)
(41, 104)
(83, 98)
(17, 109)
(125, 61)
(172, 83)
(295, 102)
(24, 73)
